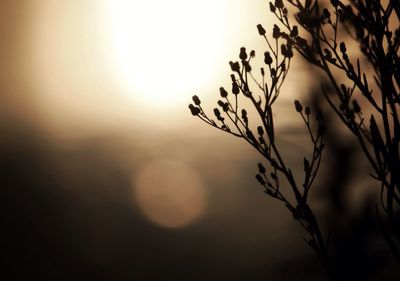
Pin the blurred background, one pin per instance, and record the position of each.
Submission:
(105, 175)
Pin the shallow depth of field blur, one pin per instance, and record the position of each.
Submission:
(107, 176)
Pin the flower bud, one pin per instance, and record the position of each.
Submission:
(261, 168)
(247, 66)
(272, 7)
(343, 47)
(234, 66)
(294, 32)
(286, 51)
(298, 106)
(260, 179)
(326, 13)
(343, 88)
(279, 4)
(223, 92)
(260, 130)
(196, 100)
(267, 58)
(335, 3)
(194, 110)
(225, 107)
(235, 88)
(243, 54)
(260, 29)
(276, 32)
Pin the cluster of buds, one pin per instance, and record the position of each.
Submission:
(231, 117)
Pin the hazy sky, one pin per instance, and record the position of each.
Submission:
(99, 89)
(99, 65)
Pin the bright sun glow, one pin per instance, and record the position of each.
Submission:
(166, 50)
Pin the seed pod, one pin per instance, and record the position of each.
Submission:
(294, 32)
(246, 66)
(286, 51)
(196, 100)
(260, 130)
(234, 66)
(276, 32)
(260, 29)
(335, 3)
(267, 58)
(326, 13)
(343, 88)
(223, 92)
(260, 179)
(279, 4)
(250, 135)
(289, 52)
(261, 168)
(342, 47)
(194, 110)
(243, 54)
(235, 88)
(298, 106)
(272, 7)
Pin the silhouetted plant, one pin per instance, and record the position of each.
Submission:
(366, 101)
(374, 25)
(231, 117)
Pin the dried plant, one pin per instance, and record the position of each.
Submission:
(366, 101)
(374, 25)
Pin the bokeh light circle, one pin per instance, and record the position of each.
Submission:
(169, 193)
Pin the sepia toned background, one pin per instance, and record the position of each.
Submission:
(105, 175)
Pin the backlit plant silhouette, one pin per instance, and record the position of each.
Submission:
(362, 90)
